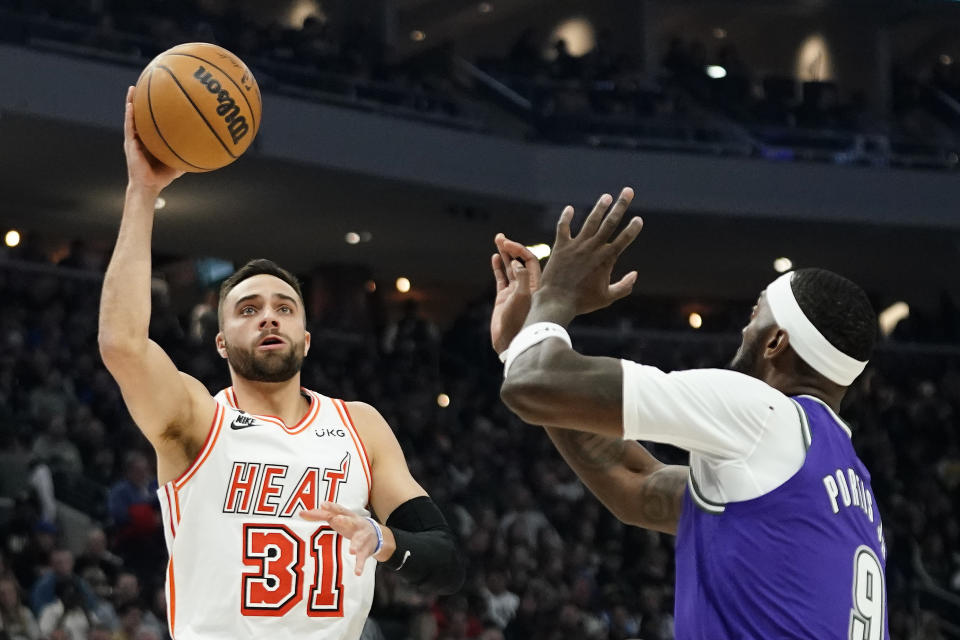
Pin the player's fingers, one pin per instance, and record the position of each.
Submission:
(592, 223)
(516, 250)
(344, 525)
(128, 129)
(627, 236)
(522, 274)
(504, 256)
(499, 274)
(530, 262)
(334, 507)
(622, 287)
(563, 226)
(612, 221)
(362, 555)
(314, 515)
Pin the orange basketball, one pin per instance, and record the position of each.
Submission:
(197, 107)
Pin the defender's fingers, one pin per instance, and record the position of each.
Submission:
(627, 236)
(622, 287)
(504, 256)
(592, 223)
(612, 221)
(563, 226)
(516, 250)
(499, 274)
(522, 274)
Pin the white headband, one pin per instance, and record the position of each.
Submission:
(806, 339)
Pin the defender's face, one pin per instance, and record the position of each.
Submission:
(749, 357)
(263, 330)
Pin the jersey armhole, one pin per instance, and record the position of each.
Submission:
(215, 426)
(804, 426)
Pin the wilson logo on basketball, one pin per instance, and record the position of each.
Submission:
(228, 109)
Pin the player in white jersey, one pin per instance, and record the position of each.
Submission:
(267, 489)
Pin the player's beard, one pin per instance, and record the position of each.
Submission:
(266, 366)
(745, 360)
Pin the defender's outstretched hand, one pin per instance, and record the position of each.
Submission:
(577, 276)
(517, 272)
(143, 170)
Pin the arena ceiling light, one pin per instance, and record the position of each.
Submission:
(540, 250)
(695, 320)
(443, 400)
(890, 317)
(782, 265)
(716, 72)
(12, 238)
(417, 35)
(403, 284)
(485, 7)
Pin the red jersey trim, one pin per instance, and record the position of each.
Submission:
(211, 440)
(305, 421)
(171, 598)
(357, 442)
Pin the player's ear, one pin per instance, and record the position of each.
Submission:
(777, 343)
(306, 343)
(221, 345)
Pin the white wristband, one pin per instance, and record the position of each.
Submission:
(529, 336)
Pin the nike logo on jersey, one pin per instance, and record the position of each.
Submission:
(406, 555)
(243, 421)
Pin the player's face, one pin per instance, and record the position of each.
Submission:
(749, 357)
(263, 335)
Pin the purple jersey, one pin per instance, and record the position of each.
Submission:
(805, 560)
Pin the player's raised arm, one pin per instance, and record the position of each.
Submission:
(412, 537)
(546, 382)
(636, 487)
(165, 404)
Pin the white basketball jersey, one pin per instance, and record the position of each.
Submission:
(242, 563)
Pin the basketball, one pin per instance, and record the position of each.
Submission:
(197, 107)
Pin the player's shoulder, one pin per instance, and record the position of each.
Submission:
(365, 413)
(727, 381)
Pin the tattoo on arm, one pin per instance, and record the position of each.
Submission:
(590, 450)
(661, 498)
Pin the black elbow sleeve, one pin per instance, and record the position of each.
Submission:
(427, 555)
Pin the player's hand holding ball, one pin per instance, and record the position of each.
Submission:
(143, 170)
(365, 541)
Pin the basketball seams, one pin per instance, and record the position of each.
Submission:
(243, 94)
(199, 112)
(156, 127)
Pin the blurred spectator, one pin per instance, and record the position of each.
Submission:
(68, 613)
(16, 620)
(134, 508)
(96, 554)
(61, 573)
(55, 449)
(502, 604)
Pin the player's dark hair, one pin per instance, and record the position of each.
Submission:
(838, 308)
(256, 267)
